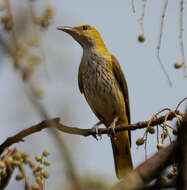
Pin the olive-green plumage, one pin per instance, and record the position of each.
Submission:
(103, 84)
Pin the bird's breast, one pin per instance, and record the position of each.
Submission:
(97, 77)
(100, 88)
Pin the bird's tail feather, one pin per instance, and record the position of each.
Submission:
(122, 154)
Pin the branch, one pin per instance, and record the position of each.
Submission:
(22, 134)
(149, 170)
(5, 178)
(156, 186)
(77, 131)
(182, 155)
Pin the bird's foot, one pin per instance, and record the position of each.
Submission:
(111, 128)
(95, 132)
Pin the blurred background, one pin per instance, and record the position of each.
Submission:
(56, 57)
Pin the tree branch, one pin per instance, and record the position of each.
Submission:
(146, 172)
(155, 186)
(77, 131)
(182, 155)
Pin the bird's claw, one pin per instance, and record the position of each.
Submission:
(111, 128)
(111, 131)
(95, 131)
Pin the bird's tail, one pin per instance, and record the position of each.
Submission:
(122, 154)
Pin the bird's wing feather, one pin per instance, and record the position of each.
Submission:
(118, 73)
(80, 77)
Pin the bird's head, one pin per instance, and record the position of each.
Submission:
(86, 35)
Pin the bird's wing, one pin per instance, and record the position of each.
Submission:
(118, 73)
(80, 77)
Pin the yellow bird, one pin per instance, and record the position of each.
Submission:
(103, 84)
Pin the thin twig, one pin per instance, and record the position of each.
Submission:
(11, 18)
(133, 7)
(36, 36)
(145, 147)
(27, 184)
(142, 16)
(178, 105)
(159, 42)
(157, 132)
(181, 40)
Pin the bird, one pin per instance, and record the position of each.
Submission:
(101, 80)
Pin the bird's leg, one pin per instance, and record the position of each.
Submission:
(111, 128)
(94, 130)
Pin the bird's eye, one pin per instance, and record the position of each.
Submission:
(85, 28)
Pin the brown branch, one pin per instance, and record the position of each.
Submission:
(7, 172)
(76, 131)
(149, 170)
(182, 155)
(22, 134)
(171, 184)
(5, 179)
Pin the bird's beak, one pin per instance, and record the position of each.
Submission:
(68, 29)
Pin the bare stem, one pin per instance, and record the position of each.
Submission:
(159, 42)
(142, 16)
(181, 40)
(133, 7)
(11, 18)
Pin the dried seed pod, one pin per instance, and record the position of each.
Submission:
(46, 152)
(44, 22)
(47, 162)
(2, 164)
(5, 18)
(36, 173)
(3, 174)
(35, 186)
(16, 156)
(9, 160)
(40, 167)
(160, 146)
(46, 174)
(8, 25)
(141, 38)
(39, 180)
(49, 12)
(178, 65)
(140, 141)
(151, 130)
(2, 6)
(19, 176)
(16, 163)
(38, 158)
(24, 155)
